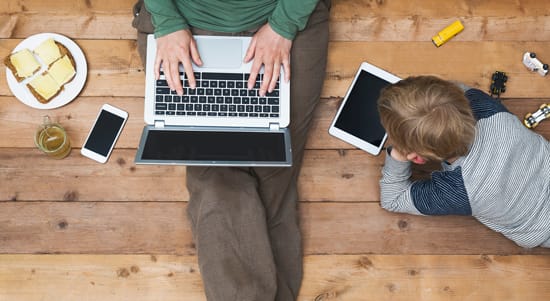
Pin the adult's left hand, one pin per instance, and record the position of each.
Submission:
(271, 50)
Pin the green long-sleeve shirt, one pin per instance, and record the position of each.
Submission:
(286, 17)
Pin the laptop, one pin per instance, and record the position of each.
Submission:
(220, 122)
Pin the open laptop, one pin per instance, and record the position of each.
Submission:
(221, 122)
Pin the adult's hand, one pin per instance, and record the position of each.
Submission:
(271, 50)
(173, 49)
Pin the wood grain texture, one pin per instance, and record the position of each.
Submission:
(326, 277)
(18, 123)
(77, 230)
(115, 63)
(162, 228)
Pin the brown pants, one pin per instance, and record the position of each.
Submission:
(244, 220)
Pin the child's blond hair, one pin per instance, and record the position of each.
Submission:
(428, 116)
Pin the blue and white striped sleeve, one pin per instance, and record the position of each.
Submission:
(443, 194)
(483, 105)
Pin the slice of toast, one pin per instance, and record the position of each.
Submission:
(44, 87)
(48, 51)
(62, 70)
(22, 64)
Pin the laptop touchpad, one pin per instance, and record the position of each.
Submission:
(220, 53)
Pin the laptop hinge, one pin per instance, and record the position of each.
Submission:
(159, 123)
(273, 126)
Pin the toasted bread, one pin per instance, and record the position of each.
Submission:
(44, 87)
(62, 70)
(22, 64)
(48, 51)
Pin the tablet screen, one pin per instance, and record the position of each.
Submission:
(359, 115)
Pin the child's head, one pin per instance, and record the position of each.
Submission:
(427, 116)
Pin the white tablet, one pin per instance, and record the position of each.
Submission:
(357, 121)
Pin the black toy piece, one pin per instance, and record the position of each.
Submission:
(498, 83)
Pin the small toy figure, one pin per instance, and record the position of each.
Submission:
(532, 120)
(447, 33)
(532, 63)
(498, 84)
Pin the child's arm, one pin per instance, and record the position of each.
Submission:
(443, 194)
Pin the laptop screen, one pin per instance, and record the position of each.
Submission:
(216, 146)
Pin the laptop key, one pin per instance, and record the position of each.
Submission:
(212, 114)
(160, 98)
(273, 93)
(162, 83)
(243, 115)
(161, 106)
(172, 106)
(159, 112)
(232, 114)
(272, 101)
(163, 90)
(170, 113)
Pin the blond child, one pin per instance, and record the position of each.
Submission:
(493, 168)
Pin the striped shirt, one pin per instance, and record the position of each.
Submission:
(503, 181)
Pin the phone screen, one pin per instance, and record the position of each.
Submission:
(359, 116)
(103, 135)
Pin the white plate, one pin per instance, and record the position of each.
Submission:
(70, 90)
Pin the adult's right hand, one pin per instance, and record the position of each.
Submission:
(173, 49)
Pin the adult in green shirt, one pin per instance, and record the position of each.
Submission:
(244, 220)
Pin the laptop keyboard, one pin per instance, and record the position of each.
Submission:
(217, 95)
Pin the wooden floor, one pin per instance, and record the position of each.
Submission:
(78, 230)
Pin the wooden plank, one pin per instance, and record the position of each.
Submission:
(435, 8)
(469, 62)
(359, 20)
(28, 175)
(19, 122)
(328, 277)
(113, 25)
(423, 28)
(432, 8)
(162, 228)
(115, 68)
